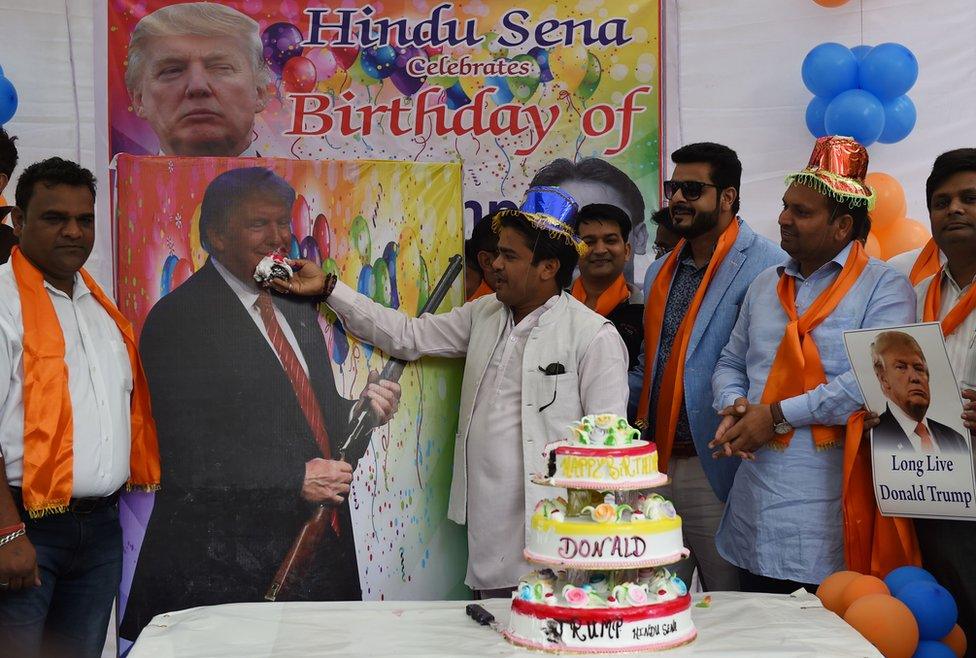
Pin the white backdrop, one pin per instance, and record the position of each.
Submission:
(734, 77)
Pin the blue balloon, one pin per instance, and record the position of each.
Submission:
(899, 120)
(294, 250)
(888, 71)
(861, 51)
(377, 61)
(8, 100)
(829, 69)
(855, 113)
(898, 578)
(815, 116)
(504, 93)
(932, 649)
(932, 606)
(166, 278)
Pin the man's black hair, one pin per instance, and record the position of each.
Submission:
(946, 166)
(8, 153)
(726, 169)
(604, 212)
(483, 238)
(51, 172)
(545, 246)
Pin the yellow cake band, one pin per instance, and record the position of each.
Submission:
(592, 528)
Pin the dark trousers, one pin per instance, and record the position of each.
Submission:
(750, 582)
(79, 558)
(949, 554)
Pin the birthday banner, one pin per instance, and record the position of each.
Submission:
(503, 88)
(229, 453)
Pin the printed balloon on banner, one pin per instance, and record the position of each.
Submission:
(541, 56)
(390, 256)
(377, 61)
(324, 61)
(281, 42)
(360, 239)
(301, 217)
(198, 254)
(523, 87)
(298, 75)
(382, 286)
(590, 82)
(568, 64)
(320, 231)
(345, 56)
(407, 84)
(503, 93)
(309, 250)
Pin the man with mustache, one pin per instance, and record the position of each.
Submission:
(784, 381)
(900, 366)
(601, 285)
(692, 300)
(196, 73)
(536, 361)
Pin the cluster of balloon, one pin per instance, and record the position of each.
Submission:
(8, 99)
(892, 232)
(861, 92)
(906, 615)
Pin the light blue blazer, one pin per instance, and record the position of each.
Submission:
(750, 255)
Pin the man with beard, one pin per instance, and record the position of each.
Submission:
(784, 381)
(692, 300)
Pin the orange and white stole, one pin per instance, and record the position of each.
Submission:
(797, 368)
(672, 394)
(933, 304)
(48, 423)
(926, 264)
(609, 299)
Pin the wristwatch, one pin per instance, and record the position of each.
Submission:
(780, 426)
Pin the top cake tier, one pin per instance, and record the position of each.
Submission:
(603, 453)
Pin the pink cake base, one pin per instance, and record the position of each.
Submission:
(629, 563)
(681, 641)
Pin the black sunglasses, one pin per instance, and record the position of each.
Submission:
(690, 189)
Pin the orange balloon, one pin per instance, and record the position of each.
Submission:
(956, 640)
(830, 3)
(832, 587)
(872, 246)
(904, 235)
(860, 587)
(890, 205)
(885, 622)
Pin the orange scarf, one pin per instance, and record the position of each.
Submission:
(798, 353)
(926, 264)
(873, 544)
(672, 394)
(48, 425)
(609, 299)
(933, 304)
(483, 289)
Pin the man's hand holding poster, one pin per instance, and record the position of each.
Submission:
(921, 451)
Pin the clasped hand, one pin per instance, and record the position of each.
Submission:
(744, 429)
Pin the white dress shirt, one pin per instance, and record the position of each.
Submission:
(959, 344)
(908, 426)
(99, 384)
(247, 293)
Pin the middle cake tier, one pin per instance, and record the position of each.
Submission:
(606, 536)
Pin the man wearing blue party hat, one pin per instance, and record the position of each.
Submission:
(537, 360)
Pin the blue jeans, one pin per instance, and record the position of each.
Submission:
(79, 558)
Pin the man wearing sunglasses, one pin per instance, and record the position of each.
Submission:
(692, 301)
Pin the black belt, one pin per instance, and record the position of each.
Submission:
(76, 505)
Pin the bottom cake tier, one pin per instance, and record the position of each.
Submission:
(601, 630)
(593, 612)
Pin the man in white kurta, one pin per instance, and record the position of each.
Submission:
(510, 407)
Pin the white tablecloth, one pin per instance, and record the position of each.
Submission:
(735, 624)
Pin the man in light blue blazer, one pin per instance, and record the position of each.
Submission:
(703, 196)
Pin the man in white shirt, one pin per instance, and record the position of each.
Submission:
(537, 359)
(58, 581)
(196, 72)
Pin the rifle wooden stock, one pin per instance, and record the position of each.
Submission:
(308, 538)
(300, 553)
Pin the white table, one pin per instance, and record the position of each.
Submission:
(735, 624)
